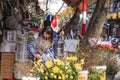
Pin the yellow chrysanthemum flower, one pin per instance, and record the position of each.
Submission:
(46, 73)
(63, 76)
(59, 77)
(46, 78)
(55, 69)
(55, 60)
(38, 70)
(51, 75)
(61, 72)
(41, 70)
(71, 77)
(82, 61)
(59, 63)
(66, 67)
(49, 64)
(35, 65)
(69, 70)
(67, 64)
(39, 62)
(78, 67)
(55, 76)
(72, 58)
(41, 65)
(66, 76)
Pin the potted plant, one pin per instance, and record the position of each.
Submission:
(112, 68)
(95, 74)
(83, 75)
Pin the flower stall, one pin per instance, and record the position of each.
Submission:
(72, 57)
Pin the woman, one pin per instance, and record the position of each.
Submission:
(43, 44)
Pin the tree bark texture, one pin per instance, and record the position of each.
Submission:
(74, 21)
(97, 20)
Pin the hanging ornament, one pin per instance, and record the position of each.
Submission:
(54, 22)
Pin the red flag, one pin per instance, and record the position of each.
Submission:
(54, 22)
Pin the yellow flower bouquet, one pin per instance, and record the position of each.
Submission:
(58, 69)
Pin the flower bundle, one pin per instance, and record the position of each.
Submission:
(58, 69)
(107, 48)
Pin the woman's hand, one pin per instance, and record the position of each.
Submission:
(37, 57)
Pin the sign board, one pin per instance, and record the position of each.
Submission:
(71, 45)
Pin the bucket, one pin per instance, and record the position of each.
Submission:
(59, 51)
(60, 44)
(59, 48)
(83, 76)
(103, 68)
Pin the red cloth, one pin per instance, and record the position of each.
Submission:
(11, 79)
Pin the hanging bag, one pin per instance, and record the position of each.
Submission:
(11, 21)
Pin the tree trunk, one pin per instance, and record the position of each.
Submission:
(96, 23)
(74, 21)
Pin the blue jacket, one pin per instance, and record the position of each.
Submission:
(31, 48)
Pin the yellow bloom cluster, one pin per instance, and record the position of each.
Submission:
(72, 58)
(58, 69)
(49, 64)
(78, 67)
(65, 13)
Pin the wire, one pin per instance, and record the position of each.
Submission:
(60, 8)
(46, 5)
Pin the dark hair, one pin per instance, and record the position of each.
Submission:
(47, 23)
(48, 30)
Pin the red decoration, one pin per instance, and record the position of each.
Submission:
(11, 79)
(83, 29)
(84, 5)
(35, 29)
(84, 17)
(54, 22)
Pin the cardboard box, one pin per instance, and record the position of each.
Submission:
(6, 75)
(6, 69)
(7, 62)
(7, 56)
